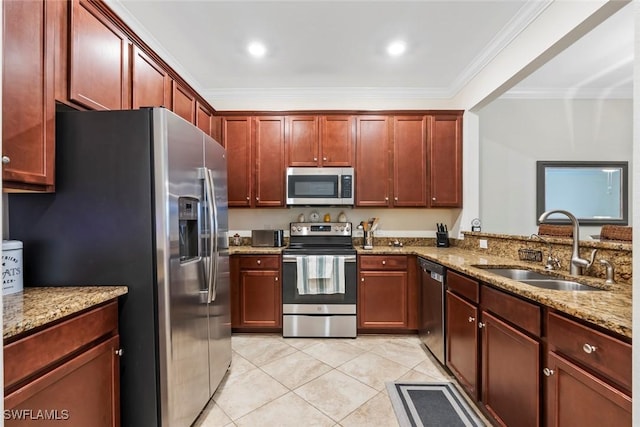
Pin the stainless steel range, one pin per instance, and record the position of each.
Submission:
(319, 281)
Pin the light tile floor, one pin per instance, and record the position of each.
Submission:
(275, 381)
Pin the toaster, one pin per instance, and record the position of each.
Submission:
(267, 238)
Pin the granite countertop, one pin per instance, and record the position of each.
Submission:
(34, 307)
(610, 309)
(254, 250)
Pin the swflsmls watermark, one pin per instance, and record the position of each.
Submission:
(37, 414)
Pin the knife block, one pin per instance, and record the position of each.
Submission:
(442, 239)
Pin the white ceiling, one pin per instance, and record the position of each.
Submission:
(338, 47)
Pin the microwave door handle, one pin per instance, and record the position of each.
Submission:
(213, 215)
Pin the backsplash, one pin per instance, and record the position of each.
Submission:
(504, 245)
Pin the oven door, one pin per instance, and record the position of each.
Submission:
(294, 302)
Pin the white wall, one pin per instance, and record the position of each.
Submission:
(396, 222)
(515, 133)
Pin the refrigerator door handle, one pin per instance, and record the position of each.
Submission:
(213, 233)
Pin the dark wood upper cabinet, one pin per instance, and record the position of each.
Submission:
(320, 140)
(410, 161)
(373, 170)
(302, 140)
(28, 106)
(99, 60)
(203, 118)
(184, 102)
(269, 161)
(337, 137)
(236, 137)
(150, 83)
(445, 161)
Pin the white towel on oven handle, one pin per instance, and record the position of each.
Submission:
(332, 285)
(320, 266)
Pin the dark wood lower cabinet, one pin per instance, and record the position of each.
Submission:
(510, 373)
(577, 398)
(65, 374)
(382, 300)
(82, 392)
(260, 299)
(462, 342)
(256, 292)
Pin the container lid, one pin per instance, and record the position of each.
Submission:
(7, 245)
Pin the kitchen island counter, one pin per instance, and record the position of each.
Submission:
(609, 308)
(35, 307)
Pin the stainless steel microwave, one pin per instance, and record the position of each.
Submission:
(320, 186)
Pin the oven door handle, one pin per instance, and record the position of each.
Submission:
(294, 258)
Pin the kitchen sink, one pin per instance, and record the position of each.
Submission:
(539, 280)
(560, 285)
(515, 273)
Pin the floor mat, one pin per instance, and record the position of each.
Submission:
(430, 405)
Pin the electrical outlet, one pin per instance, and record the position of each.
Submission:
(483, 244)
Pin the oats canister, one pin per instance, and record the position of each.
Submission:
(11, 266)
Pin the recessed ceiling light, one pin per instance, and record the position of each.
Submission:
(396, 48)
(257, 49)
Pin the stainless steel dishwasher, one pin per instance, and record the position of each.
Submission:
(432, 306)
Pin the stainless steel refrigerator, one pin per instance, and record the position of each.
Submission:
(141, 201)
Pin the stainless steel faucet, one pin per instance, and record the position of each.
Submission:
(577, 264)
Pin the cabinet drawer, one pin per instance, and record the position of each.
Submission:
(464, 286)
(513, 309)
(383, 262)
(25, 357)
(265, 262)
(602, 353)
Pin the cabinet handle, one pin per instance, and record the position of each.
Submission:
(384, 262)
(315, 159)
(588, 348)
(548, 372)
(6, 160)
(386, 199)
(119, 352)
(433, 198)
(258, 198)
(324, 159)
(362, 280)
(259, 262)
(248, 197)
(481, 325)
(472, 319)
(395, 198)
(276, 279)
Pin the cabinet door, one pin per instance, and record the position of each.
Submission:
(445, 161)
(85, 391)
(372, 161)
(260, 299)
(462, 342)
(410, 161)
(302, 140)
(269, 161)
(510, 389)
(184, 102)
(203, 118)
(236, 135)
(149, 82)
(337, 136)
(99, 60)
(577, 398)
(382, 300)
(28, 106)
